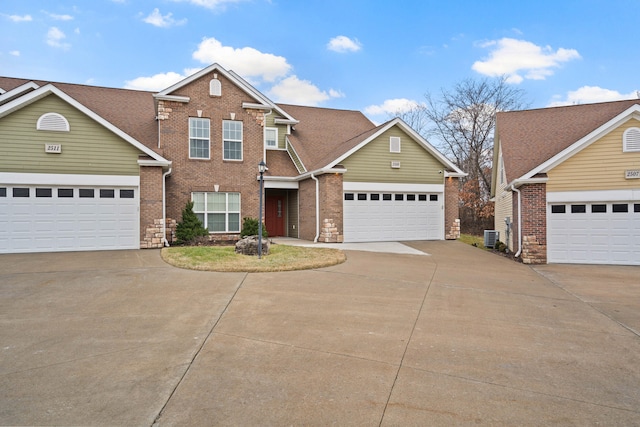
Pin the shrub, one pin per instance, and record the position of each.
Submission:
(250, 228)
(500, 247)
(190, 228)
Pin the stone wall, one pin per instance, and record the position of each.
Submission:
(534, 223)
(153, 234)
(451, 208)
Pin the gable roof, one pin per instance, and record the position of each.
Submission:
(131, 119)
(529, 138)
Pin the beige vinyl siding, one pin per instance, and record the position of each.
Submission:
(600, 166)
(89, 148)
(503, 205)
(292, 214)
(372, 163)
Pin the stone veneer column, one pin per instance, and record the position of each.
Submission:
(534, 223)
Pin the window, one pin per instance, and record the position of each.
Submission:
(394, 144)
(558, 208)
(399, 197)
(126, 194)
(631, 140)
(20, 192)
(375, 196)
(199, 134)
(53, 122)
(65, 192)
(219, 212)
(107, 194)
(411, 197)
(599, 208)
(636, 206)
(86, 193)
(386, 197)
(271, 137)
(620, 208)
(44, 192)
(348, 196)
(362, 196)
(3, 192)
(578, 208)
(215, 87)
(433, 197)
(422, 197)
(232, 140)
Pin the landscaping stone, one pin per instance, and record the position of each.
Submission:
(249, 246)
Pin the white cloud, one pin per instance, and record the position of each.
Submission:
(392, 106)
(342, 44)
(154, 83)
(58, 17)
(292, 90)
(247, 61)
(210, 4)
(55, 38)
(18, 18)
(166, 21)
(520, 59)
(14, 53)
(591, 94)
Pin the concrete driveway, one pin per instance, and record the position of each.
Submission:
(459, 337)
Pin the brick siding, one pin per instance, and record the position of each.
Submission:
(534, 223)
(451, 208)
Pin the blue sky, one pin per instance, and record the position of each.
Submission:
(373, 56)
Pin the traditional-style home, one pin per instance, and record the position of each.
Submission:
(566, 183)
(94, 168)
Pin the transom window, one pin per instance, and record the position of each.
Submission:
(232, 140)
(199, 138)
(271, 137)
(219, 212)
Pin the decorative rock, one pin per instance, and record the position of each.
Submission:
(249, 246)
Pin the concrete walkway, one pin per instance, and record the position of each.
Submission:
(385, 247)
(460, 337)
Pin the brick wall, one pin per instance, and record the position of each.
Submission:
(191, 175)
(534, 223)
(307, 209)
(150, 202)
(451, 208)
(331, 218)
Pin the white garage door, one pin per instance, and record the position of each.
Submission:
(594, 233)
(383, 216)
(40, 218)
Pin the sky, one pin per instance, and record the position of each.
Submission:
(376, 56)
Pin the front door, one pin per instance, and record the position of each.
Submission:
(274, 215)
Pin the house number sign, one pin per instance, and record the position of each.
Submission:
(632, 174)
(53, 148)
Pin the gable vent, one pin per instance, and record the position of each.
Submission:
(53, 121)
(631, 140)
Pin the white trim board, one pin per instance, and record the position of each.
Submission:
(7, 178)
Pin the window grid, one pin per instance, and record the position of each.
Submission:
(219, 212)
(199, 138)
(232, 140)
(271, 137)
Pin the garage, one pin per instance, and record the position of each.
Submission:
(45, 218)
(594, 233)
(393, 216)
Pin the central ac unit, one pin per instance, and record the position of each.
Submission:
(490, 238)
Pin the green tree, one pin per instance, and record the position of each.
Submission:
(250, 228)
(190, 227)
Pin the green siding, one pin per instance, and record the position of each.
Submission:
(89, 148)
(295, 158)
(372, 163)
(282, 131)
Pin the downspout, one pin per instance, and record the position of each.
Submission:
(513, 188)
(164, 207)
(315, 239)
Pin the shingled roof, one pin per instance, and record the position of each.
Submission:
(131, 111)
(528, 138)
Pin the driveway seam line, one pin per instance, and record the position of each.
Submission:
(197, 353)
(406, 347)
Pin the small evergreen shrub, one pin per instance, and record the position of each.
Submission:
(250, 228)
(190, 228)
(500, 247)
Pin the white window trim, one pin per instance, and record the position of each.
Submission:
(636, 141)
(226, 211)
(395, 141)
(215, 87)
(201, 139)
(270, 147)
(61, 123)
(241, 141)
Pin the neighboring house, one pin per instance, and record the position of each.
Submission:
(568, 181)
(92, 168)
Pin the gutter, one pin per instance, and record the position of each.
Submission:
(513, 188)
(315, 239)
(164, 207)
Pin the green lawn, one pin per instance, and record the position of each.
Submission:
(477, 241)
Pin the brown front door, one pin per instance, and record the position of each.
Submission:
(274, 215)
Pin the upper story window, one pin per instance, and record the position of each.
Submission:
(271, 137)
(199, 138)
(215, 87)
(54, 122)
(631, 140)
(394, 144)
(231, 140)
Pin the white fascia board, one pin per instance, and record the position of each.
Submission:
(392, 187)
(517, 183)
(285, 121)
(414, 135)
(627, 195)
(281, 182)
(68, 179)
(43, 91)
(146, 162)
(320, 171)
(175, 98)
(18, 91)
(590, 138)
(254, 106)
(455, 174)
